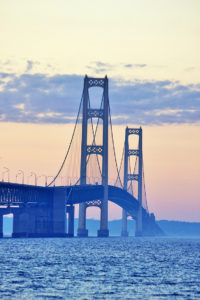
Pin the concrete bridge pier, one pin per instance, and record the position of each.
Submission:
(16, 224)
(41, 222)
(59, 213)
(124, 232)
(150, 227)
(70, 211)
(1, 225)
(103, 231)
(20, 223)
(33, 225)
(139, 222)
(82, 231)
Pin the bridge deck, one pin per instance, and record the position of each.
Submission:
(13, 194)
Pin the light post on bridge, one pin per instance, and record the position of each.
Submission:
(20, 172)
(33, 174)
(6, 171)
(45, 176)
(63, 180)
(97, 180)
(68, 180)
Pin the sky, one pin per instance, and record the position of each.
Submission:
(150, 53)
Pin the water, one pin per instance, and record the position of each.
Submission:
(114, 268)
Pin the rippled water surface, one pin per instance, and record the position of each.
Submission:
(114, 268)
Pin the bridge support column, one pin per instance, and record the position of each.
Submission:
(139, 226)
(41, 222)
(59, 213)
(16, 224)
(124, 232)
(1, 225)
(124, 213)
(104, 232)
(95, 150)
(149, 226)
(70, 221)
(82, 231)
(140, 179)
(33, 222)
(20, 223)
(130, 177)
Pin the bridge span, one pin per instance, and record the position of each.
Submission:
(41, 211)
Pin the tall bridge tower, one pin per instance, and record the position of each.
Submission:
(95, 150)
(41, 211)
(129, 177)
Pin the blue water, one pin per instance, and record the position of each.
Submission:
(114, 268)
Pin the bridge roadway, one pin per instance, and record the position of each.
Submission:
(41, 211)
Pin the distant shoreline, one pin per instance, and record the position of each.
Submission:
(170, 228)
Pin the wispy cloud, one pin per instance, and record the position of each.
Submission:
(130, 66)
(100, 67)
(38, 98)
(30, 64)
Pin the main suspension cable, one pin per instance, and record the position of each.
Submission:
(66, 155)
(118, 175)
(121, 162)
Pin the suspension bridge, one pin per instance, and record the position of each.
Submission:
(95, 175)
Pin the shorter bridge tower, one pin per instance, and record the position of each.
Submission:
(129, 177)
(95, 150)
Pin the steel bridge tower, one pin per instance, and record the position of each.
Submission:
(96, 150)
(129, 177)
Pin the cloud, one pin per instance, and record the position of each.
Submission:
(100, 67)
(143, 101)
(4, 63)
(130, 66)
(6, 75)
(38, 98)
(30, 64)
